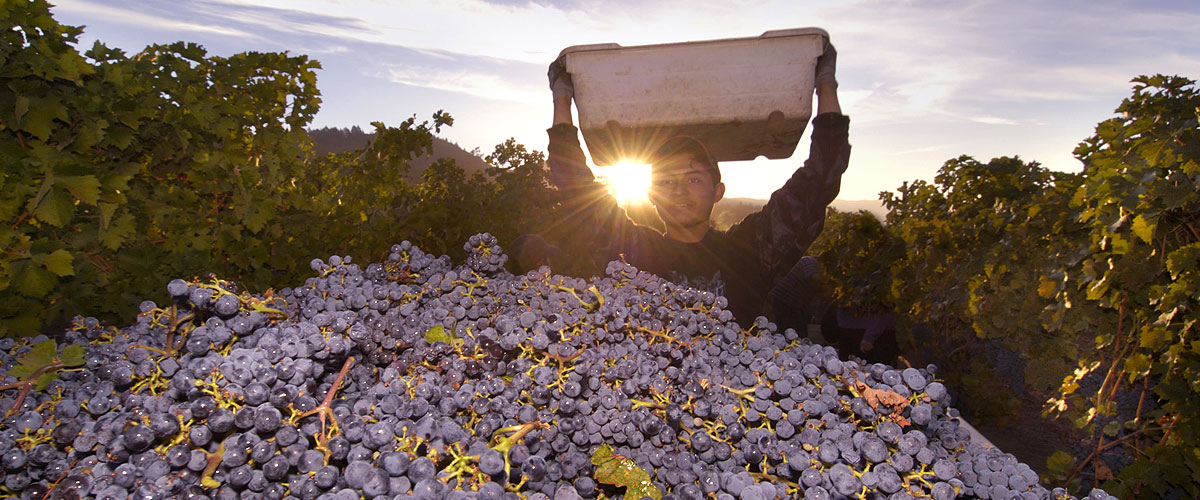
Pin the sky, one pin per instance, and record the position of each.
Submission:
(922, 81)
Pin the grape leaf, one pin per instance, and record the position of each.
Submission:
(39, 121)
(881, 398)
(85, 188)
(55, 209)
(257, 217)
(1143, 228)
(1137, 365)
(41, 355)
(115, 235)
(57, 262)
(72, 355)
(106, 212)
(1060, 462)
(439, 334)
(1047, 287)
(120, 136)
(32, 280)
(623, 472)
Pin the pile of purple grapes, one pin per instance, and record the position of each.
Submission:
(415, 378)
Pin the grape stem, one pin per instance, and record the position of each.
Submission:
(27, 384)
(773, 478)
(1100, 449)
(648, 404)
(171, 347)
(59, 480)
(506, 443)
(214, 460)
(326, 411)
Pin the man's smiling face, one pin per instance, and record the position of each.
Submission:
(683, 190)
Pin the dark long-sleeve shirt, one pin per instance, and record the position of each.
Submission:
(739, 263)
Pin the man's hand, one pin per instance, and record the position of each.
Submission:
(827, 67)
(560, 81)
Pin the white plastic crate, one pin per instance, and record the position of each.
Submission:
(742, 97)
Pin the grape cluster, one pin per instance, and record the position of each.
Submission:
(414, 378)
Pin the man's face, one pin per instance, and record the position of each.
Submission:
(682, 189)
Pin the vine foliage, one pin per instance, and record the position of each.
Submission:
(121, 171)
(1075, 289)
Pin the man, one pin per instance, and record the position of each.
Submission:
(685, 184)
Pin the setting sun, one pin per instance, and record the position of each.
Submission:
(628, 181)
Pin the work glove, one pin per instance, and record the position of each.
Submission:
(827, 66)
(560, 80)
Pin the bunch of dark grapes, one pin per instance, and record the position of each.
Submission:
(417, 379)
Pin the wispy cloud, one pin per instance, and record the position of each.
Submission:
(133, 17)
(485, 85)
(994, 120)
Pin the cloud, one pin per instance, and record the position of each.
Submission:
(485, 85)
(955, 60)
(994, 120)
(136, 18)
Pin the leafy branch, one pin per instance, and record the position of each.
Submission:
(40, 366)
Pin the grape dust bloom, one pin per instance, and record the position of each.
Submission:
(415, 378)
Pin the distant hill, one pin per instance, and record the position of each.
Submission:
(873, 206)
(730, 211)
(339, 140)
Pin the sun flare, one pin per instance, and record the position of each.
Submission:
(628, 181)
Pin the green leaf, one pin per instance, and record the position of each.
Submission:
(115, 235)
(1060, 462)
(39, 121)
(58, 262)
(439, 334)
(1151, 338)
(1143, 229)
(55, 209)
(623, 472)
(85, 188)
(21, 107)
(106, 212)
(72, 355)
(1137, 365)
(33, 281)
(1112, 428)
(257, 217)
(1120, 244)
(120, 135)
(44, 190)
(42, 354)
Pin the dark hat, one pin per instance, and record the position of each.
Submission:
(685, 144)
(529, 250)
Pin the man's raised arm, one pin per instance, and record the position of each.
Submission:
(795, 214)
(564, 155)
